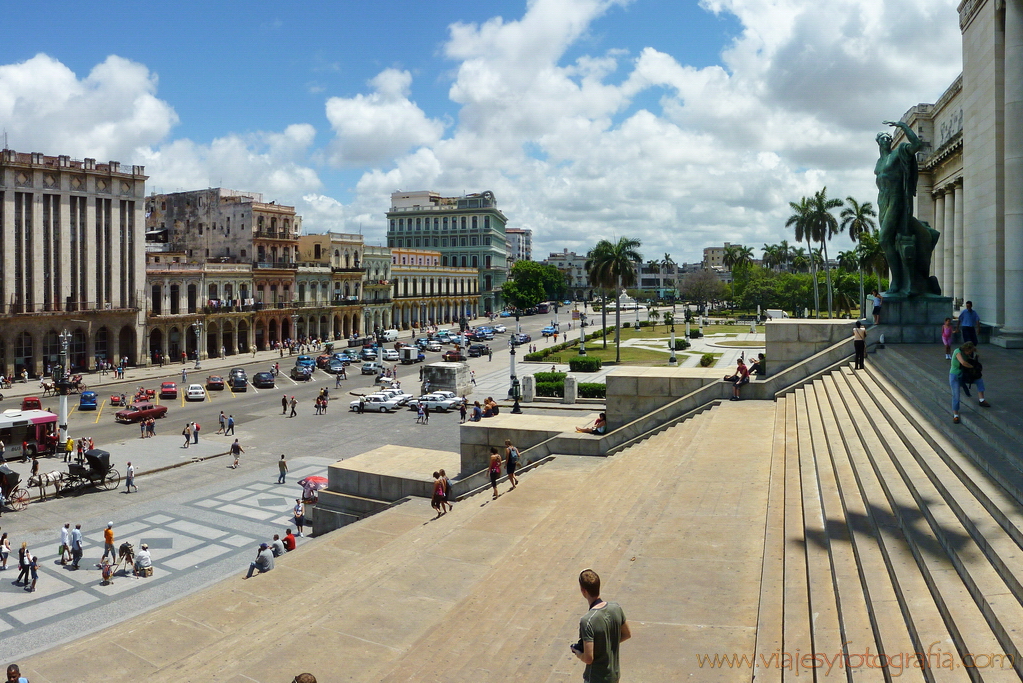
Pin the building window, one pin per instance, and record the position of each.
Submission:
(464, 260)
(200, 228)
(436, 224)
(316, 252)
(475, 261)
(243, 253)
(419, 223)
(463, 222)
(488, 262)
(401, 224)
(473, 241)
(461, 241)
(402, 260)
(443, 241)
(474, 223)
(445, 261)
(486, 222)
(392, 224)
(436, 242)
(445, 222)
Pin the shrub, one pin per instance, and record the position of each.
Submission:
(695, 334)
(592, 390)
(549, 376)
(706, 360)
(550, 389)
(539, 355)
(682, 344)
(584, 364)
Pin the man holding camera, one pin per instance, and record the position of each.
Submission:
(601, 630)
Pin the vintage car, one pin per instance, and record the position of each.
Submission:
(301, 373)
(140, 411)
(454, 355)
(305, 361)
(264, 380)
(168, 390)
(215, 382)
(435, 402)
(87, 401)
(378, 403)
(239, 383)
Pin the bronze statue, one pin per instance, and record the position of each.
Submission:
(906, 241)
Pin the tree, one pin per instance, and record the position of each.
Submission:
(532, 283)
(653, 315)
(701, 287)
(800, 220)
(849, 260)
(667, 264)
(799, 260)
(858, 219)
(772, 256)
(616, 262)
(824, 226)
(872, 255)
(600, 279)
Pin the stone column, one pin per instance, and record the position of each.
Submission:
(1012, 256)
(942, 245)
(955, 216)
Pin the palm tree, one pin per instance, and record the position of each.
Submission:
(616, 263)
(598, 278)
(859, 220)
(799, 259)
(800, 220)
(872, 255)
(849, 260)
(668, 263)
(785, 252)
(772, 255)
(824, 226)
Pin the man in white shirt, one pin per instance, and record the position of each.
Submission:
(65, 543)
(143, 560)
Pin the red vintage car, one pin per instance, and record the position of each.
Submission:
(168, 390)
(140, 411)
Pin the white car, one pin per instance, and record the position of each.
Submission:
(435, 402)
(397, 394)
(500, 329)
(195, 392)
(379, 403)
(433, 345)
(391, 354)
(448, 394)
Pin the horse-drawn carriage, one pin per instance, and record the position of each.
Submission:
(96, 472)
(14, 497)
(75, 386)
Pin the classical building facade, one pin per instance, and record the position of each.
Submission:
(971, 169)
(424, 291)
(376, 288)
(573, 265)
(71, 236)
(339, 258)
(468, 232)
(520, 244)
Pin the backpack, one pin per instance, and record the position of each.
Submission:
(513, 455)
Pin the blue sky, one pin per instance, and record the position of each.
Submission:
(682, 123)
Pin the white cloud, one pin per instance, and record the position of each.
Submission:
(372, 129)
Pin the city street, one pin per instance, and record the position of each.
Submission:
(202, 520)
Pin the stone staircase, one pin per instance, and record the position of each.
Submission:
(884, 538)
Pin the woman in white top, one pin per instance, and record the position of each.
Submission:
(859, 343)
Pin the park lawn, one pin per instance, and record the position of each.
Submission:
(630, 356)
(743, 343)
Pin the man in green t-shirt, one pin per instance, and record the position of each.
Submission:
(601, 630)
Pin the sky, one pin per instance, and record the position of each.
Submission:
(680, 123)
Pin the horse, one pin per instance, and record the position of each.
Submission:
(48, 388)
(44, 479)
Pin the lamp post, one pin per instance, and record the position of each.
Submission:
(294, 328)
(637, 315)
(198, 343)
(63, 386)
(673, 360)
(582, 333)
(514, 392)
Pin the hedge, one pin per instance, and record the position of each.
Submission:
(706, 360)
(682, 344)
(592, 390)
(550, 389)
(550, 376)
(584, 364)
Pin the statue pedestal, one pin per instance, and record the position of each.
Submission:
(914, 321)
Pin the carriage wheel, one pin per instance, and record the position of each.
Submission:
(18, 500)
(111, 481)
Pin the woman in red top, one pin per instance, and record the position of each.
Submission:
(740, 377)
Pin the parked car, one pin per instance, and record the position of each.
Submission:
(506, 314)
(448, 394)
(391, 355)
(453, 356)
(239, 383)
(140, 411)
(215, 382)
(195, 392)
(379, 403)
(305, 361)
(31, 403)
(264, 380)
(433, 345)
(87, 401)
(238, 372)
(168, 390)
(368, 354)
(548, 331)
(435, 402)
(301, 373)
(477, 350)
(397, 394)
(500, 329)
(347, 357)
(322, 360)
(335, 366)
(521, 338)
(372, 368)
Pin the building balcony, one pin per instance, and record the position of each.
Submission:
(278, 235)
(67, 307)
(353, 269)
(276, 265)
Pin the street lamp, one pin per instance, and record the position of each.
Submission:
(514, 392)
(673, 360)
(62, 384)
(294, 328)
(637, 315)
(582, 332)
(198, 343)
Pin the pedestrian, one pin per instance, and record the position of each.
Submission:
(69, 448)
(151, 427)
(184, 373)
(740, 378)
(477, 412)
(282, 466)
(426, 414)
(264, 561)
(337, 380)
(5, 551)
(462, 410)
(859, 344)
(223, 422)
(490, 355)
(511, 462)
(14, 675)
(277, 546)
(420, 414)
(23, 569)
(947, 333)
(129, 478)
(472, 377)
(299, 511)
(143, 428)
(230, 426)
(187, 433)
(966, 370)
(294, 405)
(195, 432)
(76, 546)
(437, 501)
(876, 312)
(449, 496)
(969, 321)
(284, 404)
(108, 542)
(601, 630)
(288, 540)
(495, 469)
(33, 565)
(236, 451)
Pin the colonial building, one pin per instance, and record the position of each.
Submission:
(339, 256)
(971, 169)
(573, 266)
(520, 244)
(221, 226)
(467, 232)
(425, 291)
(376, 288)
(71, 236)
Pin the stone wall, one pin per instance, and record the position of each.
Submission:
(790, 341)
(635, 391)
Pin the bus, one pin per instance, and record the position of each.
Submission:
(543, 308)
(28, 432)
